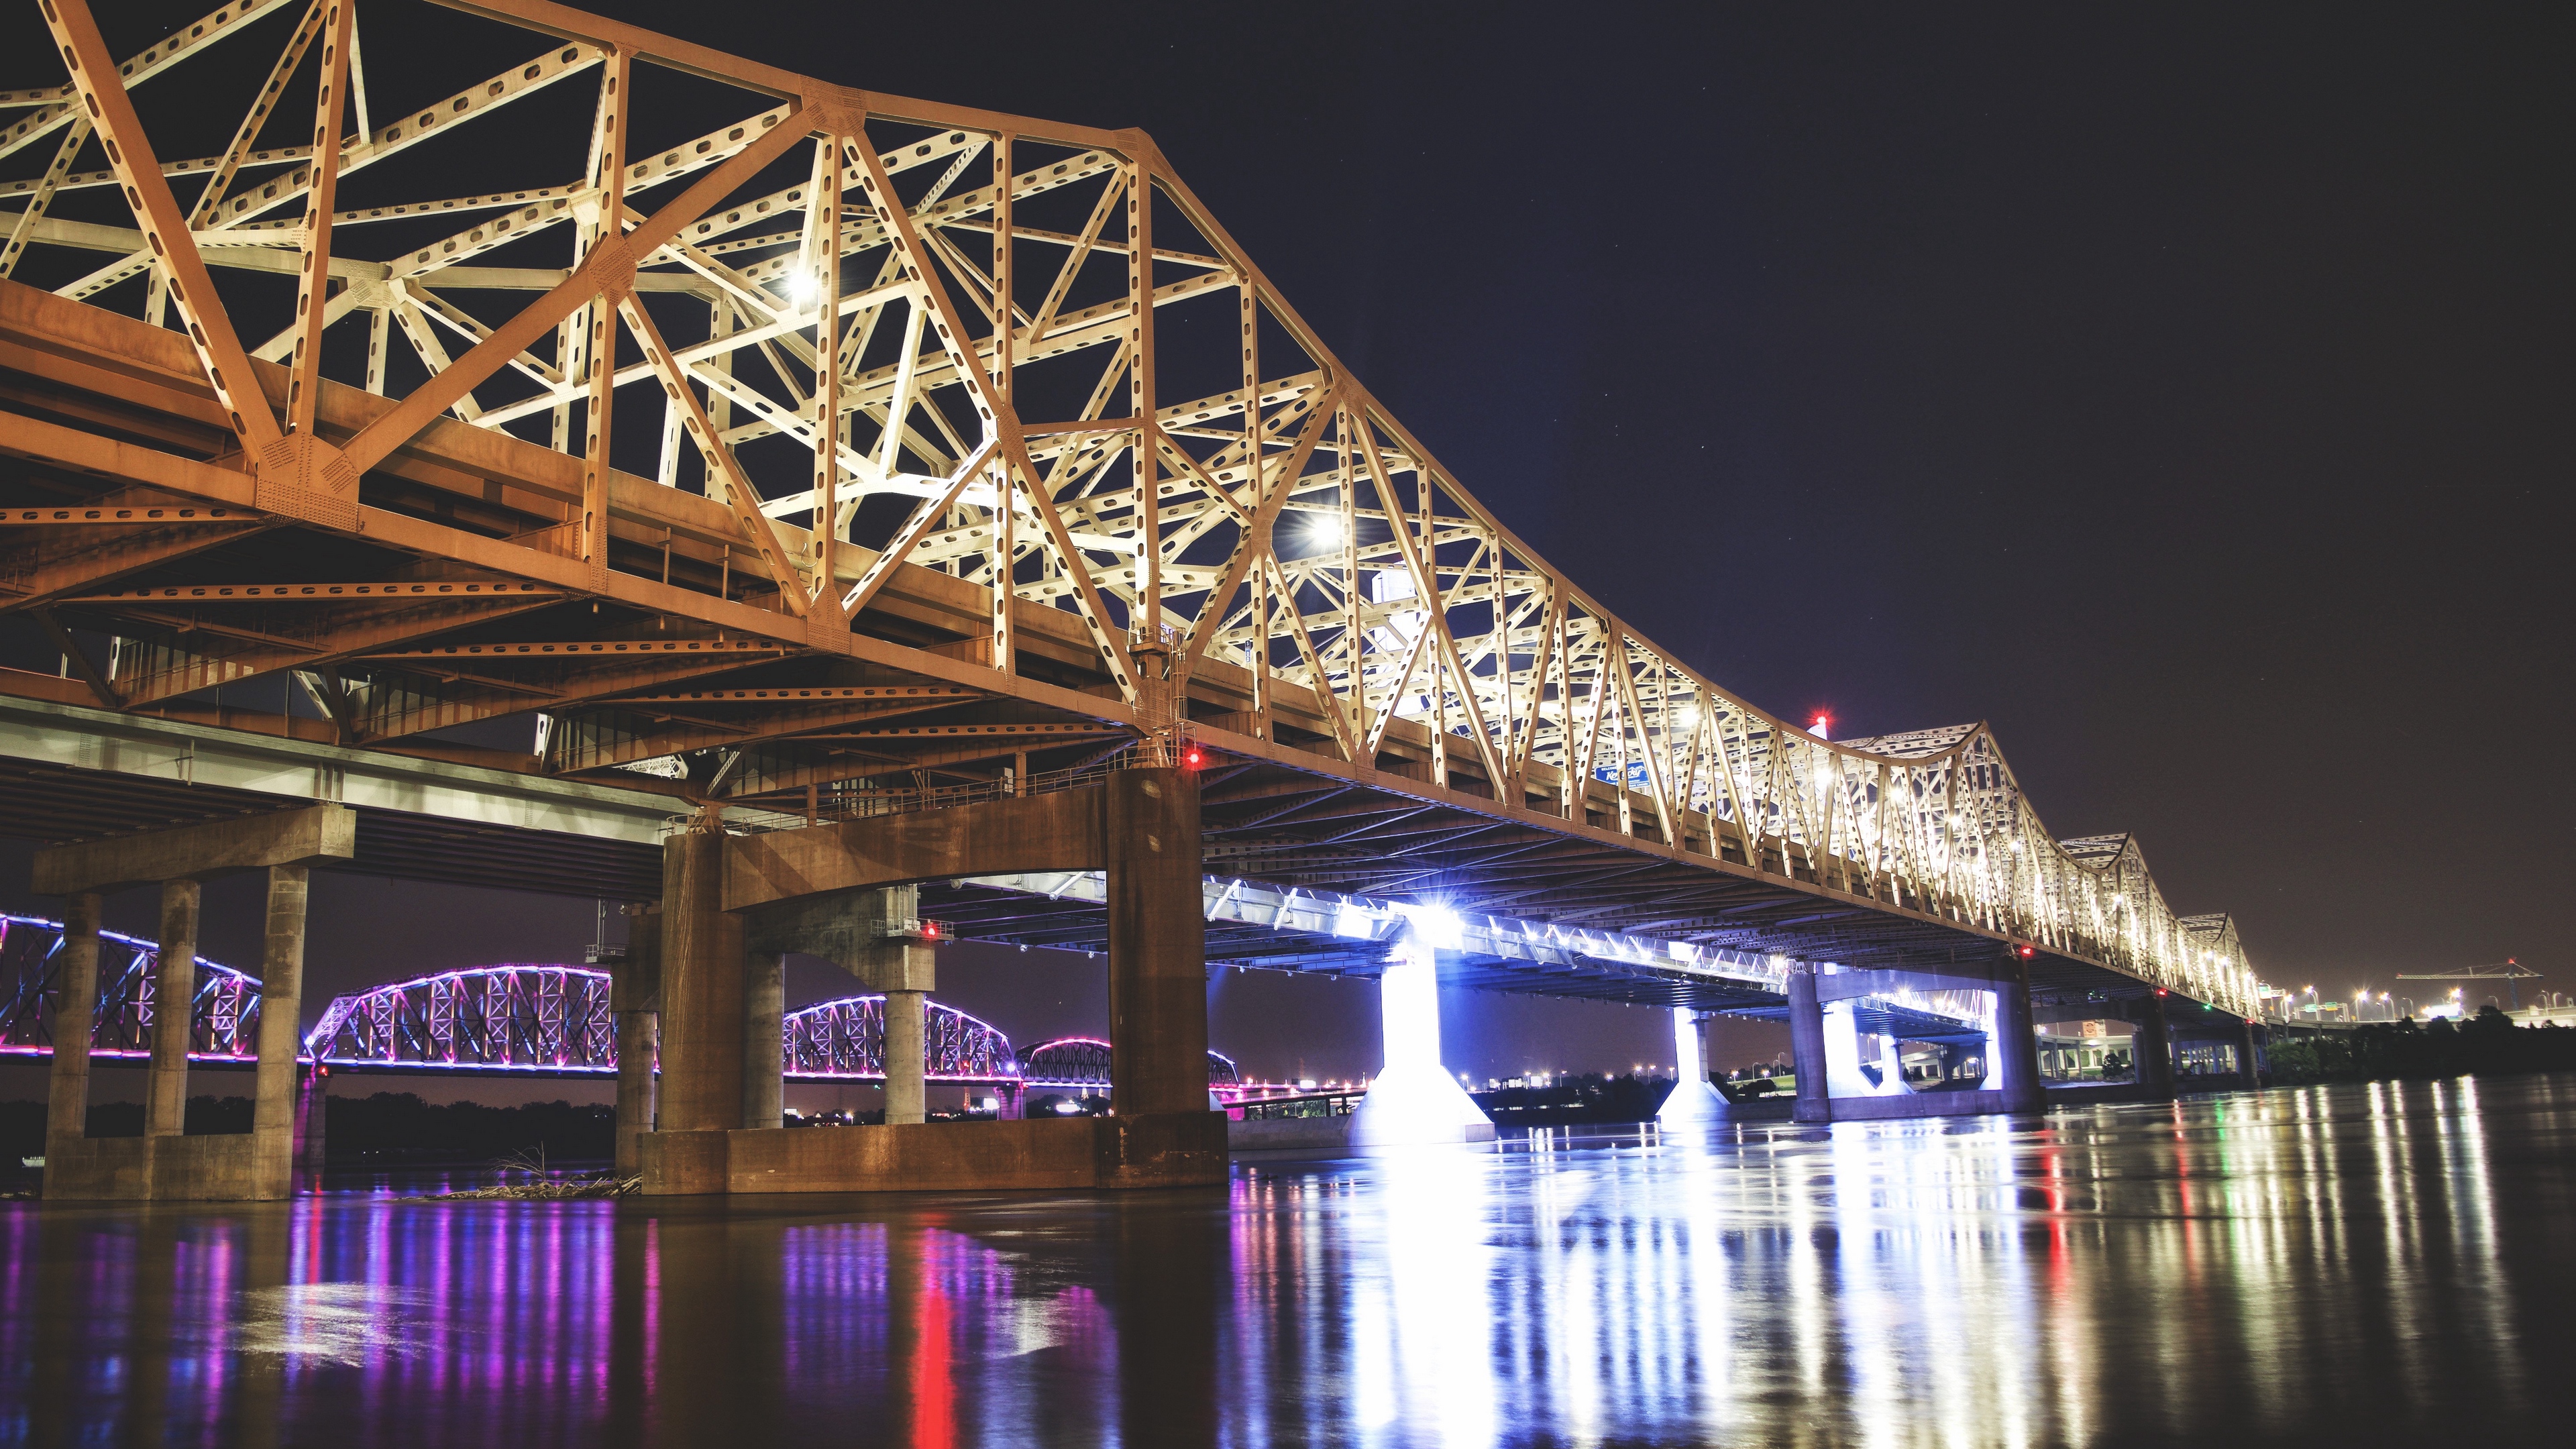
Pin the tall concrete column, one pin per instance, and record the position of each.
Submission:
(1692, 1102)
(1846, 1048)
(1157, 944)
(2249, 1058)
(1413, 1098)
(2014, 1052)
(2152, 1045)
(702, 989)
(764, 1045)
(67, 1101)
(634, 1000)
(174, 999)
(1807, 1049)
(905, 1095)
(281, 1019)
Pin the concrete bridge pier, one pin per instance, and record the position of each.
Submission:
(1807, 1049)
(893, 955)
(1693, 1102)
(67, 1093)
(701, 1019)
(274, 1116)
(1849, 1050)
(2013, 1057)
(848, 892)
(174, 995)
(165, 1164)
(2249, 1058)
(1413, 1098)
(764, 1046)
(634, 1005)
(2152, 1045)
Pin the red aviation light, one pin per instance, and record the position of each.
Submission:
(1192, 759)
(930, 930)
(2027, 951)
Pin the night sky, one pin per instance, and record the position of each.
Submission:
(2185, 391)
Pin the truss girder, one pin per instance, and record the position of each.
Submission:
(952, 337)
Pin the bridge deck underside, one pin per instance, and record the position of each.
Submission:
(51, 804)
(759, 715)
(975, 911)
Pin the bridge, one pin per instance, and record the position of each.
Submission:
(831, 472)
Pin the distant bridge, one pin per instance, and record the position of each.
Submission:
(512, 1020)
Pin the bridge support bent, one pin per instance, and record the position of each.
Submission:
(1693, 1103)
(165, 1163)
(846, 891)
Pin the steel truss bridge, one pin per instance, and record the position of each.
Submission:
(223, 1017)
(515, 1020)
(696, 426)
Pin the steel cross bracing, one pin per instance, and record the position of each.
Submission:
(895, 429)
(223, 1019)
(549, 1020)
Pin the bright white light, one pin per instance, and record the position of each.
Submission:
(1305, 1084)
(1323, 532)
(1354, 922)
(800, 290)
(1067, 1109)
(1437, 927)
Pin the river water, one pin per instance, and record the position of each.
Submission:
(2328, 1265)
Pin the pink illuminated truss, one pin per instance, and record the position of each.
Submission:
(224, 1019)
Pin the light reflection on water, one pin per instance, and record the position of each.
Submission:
(2349, 1263)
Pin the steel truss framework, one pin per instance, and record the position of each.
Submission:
(785, 441)
(844, 1040)
(1081, 1063)
(550, 1020)
(223, 1017)
(508, 1018)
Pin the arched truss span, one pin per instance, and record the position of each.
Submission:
(553, 1020)
(1082, 1062)
(502, 1019)
(844, 1040)
(1018, 353)
(223, 1020)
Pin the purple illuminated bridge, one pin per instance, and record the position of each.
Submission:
(511, 1020)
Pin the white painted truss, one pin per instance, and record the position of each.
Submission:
(1019, 353)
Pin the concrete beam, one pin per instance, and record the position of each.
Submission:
(199, 852)
(1054, 832)
(863, 933)
(77, 738)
